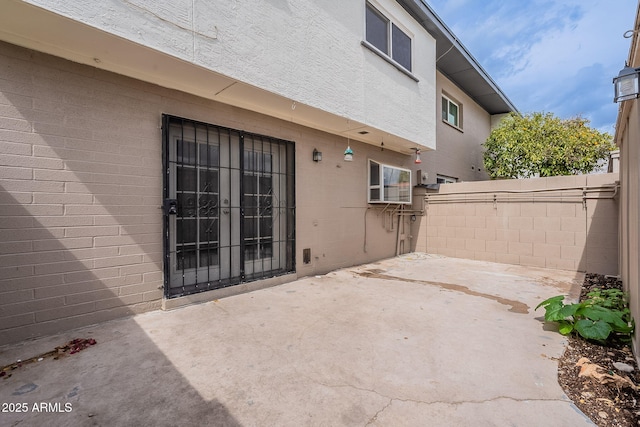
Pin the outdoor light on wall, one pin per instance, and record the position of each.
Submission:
(626, 84)
(317, 155)
(418, 160)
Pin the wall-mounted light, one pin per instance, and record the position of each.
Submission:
(626, 84)
(348, 154)
(417, 160)
(317, 155)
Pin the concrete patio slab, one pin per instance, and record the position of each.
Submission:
(411, 341)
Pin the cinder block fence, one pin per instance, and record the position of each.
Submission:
(568, 223)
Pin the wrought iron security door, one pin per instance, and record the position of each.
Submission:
(229, 206)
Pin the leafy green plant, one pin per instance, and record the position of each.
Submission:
(601, 314)
(541, 144)
(609, 298)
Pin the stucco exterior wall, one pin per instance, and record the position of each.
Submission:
(294, 49)
(567, 223)
(458, 152)
(81, 189)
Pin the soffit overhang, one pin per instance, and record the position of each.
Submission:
(455, 62)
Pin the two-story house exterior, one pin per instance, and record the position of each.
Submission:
(152, 151)
(469, 105)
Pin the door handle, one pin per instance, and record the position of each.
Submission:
(170, 206)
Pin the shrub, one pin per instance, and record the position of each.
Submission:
(603, 316)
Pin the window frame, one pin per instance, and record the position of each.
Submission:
(391, 25)
(458, 105)
(403, 199)
(445, 179)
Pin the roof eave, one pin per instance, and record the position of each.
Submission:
(456, 62)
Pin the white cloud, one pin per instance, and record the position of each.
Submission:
(547, 55)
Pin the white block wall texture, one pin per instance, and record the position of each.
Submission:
(307, 52)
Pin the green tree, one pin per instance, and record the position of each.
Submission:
(540, 144)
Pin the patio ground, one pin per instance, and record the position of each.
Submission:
(415, 340)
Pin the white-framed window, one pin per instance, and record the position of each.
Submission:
(389, 184)
(451, 111)
(443, 179)
(388, 37)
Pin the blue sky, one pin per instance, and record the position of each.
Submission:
(557, 56)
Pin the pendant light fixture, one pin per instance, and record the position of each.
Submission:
(348, 153)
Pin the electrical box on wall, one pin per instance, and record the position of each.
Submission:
(423, 177)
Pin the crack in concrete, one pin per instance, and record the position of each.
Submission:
(434, 402)
(375, 416)
(516, 306)
(478, 402)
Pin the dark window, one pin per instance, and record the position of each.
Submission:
(387, 37)
(401, 47)
(377, 29)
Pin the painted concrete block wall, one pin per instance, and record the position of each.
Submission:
(554, 229)
(458, 152)
(630, 209)
(81, 190)
(294, 49)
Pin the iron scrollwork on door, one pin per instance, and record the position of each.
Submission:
(226, 215)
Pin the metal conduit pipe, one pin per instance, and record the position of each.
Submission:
(581, 188)
(565, 199)
(398, 231)
(409, 212)
(463, 196)
(401, 213)
(518, 195)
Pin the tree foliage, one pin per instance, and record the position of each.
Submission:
(540, 144)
